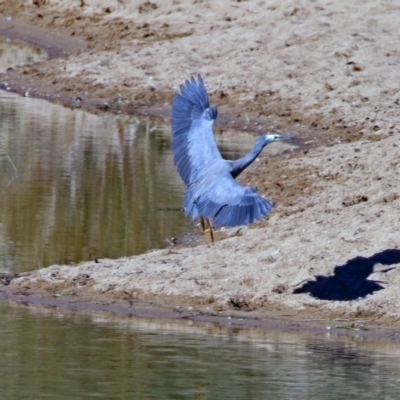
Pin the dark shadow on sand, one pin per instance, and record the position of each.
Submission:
(349, 281)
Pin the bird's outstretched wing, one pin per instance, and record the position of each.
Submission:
(228, 203)
(193, 143)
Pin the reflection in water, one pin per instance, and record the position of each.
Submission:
(76, 185)
(63, 356)
(14, 53)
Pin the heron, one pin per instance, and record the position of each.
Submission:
(212, 193)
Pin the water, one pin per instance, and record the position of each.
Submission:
(76, 185)
(61, 355)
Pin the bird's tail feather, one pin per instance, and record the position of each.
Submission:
(234, 215)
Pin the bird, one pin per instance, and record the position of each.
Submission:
(212, 193)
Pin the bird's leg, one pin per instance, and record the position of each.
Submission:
(202, 225)
(208, 228)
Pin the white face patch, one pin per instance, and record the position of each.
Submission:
(272, 136)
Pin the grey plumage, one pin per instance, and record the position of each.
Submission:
(211, 189)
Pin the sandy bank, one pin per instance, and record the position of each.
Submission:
(326, 71)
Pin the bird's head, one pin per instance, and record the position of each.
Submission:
(270, 137)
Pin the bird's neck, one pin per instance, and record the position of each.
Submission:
(238, 166)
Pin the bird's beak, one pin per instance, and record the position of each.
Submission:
(285, 137)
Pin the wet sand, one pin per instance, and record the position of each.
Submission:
(326, 72)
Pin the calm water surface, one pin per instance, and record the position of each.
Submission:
(76, 186)
(61, 355)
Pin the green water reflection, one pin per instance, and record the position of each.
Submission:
(56, 354)
(76, 185)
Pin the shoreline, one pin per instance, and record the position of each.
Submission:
(330, 248)
(239, 320)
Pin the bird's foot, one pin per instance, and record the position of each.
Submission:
(205, 226)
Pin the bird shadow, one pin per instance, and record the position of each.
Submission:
(349, 281)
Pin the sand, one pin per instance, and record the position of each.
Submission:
(325, 71)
